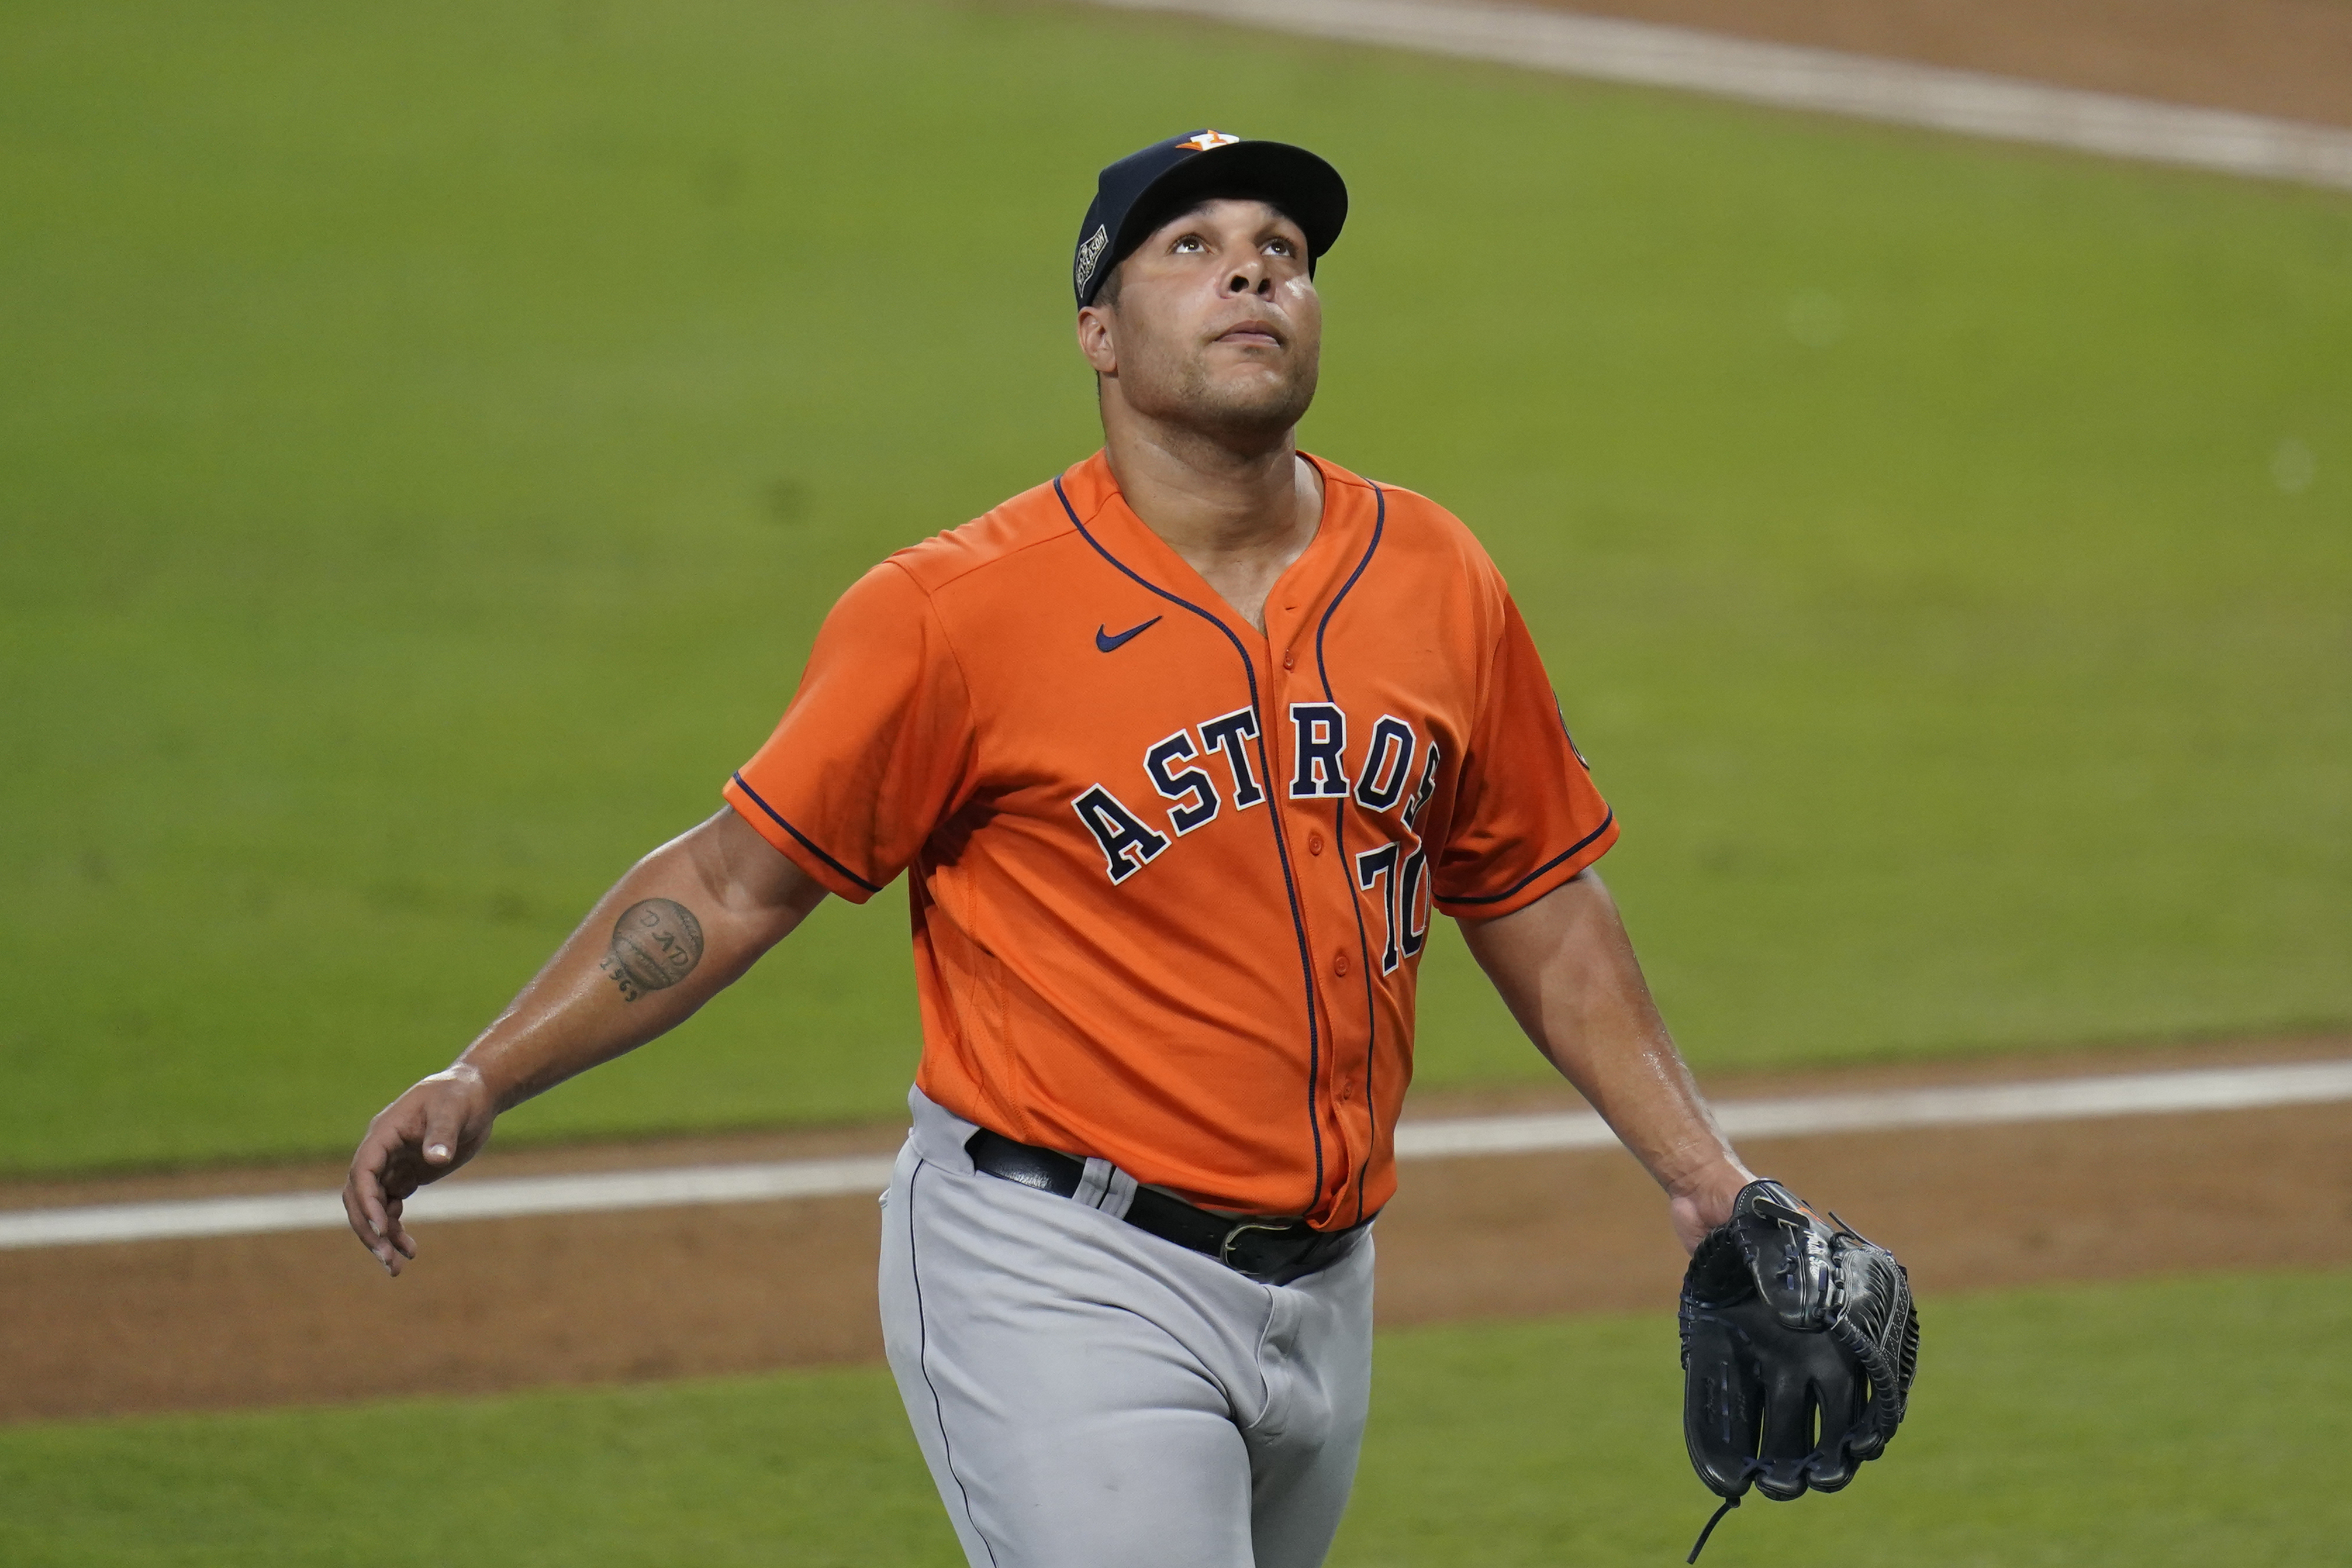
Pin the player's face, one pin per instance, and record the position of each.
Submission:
(1217, 325)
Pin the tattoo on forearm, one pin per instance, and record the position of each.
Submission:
(656, 944)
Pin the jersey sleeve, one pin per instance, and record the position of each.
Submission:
(1527, 816)
(876, 750)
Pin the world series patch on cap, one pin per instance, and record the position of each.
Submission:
(1144, 190)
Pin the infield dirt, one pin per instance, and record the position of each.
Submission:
(494, 1304)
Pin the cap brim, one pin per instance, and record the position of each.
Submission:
(1301, 185)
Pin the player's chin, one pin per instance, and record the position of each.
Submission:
(1266, 384)
(1263, 410)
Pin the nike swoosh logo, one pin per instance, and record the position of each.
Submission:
(1107, 643)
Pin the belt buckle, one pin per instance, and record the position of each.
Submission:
(1225, 1248)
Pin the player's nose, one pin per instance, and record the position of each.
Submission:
(1251, 277)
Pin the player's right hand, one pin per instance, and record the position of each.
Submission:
(421, 1137)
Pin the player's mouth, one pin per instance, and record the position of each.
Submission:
(1252, 334)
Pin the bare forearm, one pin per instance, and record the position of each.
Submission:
(687, 920)
(1568, 973)
(678, 928)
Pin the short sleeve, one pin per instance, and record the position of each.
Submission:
(1527, 816)
(876, 750)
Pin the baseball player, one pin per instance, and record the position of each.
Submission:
(1179, 753)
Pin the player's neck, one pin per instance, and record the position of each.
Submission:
(1238, 517)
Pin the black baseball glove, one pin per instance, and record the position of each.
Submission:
(1798, 1346)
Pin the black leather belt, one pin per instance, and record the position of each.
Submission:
(1274, 1252)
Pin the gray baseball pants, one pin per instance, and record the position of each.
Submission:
(1088, 1396)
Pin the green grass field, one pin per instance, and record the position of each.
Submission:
(2188, 1423)
(431, 436)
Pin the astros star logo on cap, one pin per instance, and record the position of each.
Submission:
(1208, 139)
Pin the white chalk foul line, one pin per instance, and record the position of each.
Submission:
(2057, 1100)
(2139, 1094)
(1787, 76)
(491, 1198)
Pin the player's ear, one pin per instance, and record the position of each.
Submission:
(1097, 340)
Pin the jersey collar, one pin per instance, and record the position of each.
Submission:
(1297, 595)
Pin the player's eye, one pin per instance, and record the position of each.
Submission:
(1191, 242)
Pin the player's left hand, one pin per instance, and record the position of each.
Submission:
(1706, 1205)
(1800, 1342)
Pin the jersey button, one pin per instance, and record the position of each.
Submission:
(1339, 965)
(1289, 659)
(1315, 843)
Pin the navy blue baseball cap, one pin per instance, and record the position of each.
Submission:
(1144, 190)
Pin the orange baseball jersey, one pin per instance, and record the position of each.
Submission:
(1171, 878)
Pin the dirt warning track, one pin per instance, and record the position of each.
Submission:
(304, 1315)
(1907, 87)
(2290, 58)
